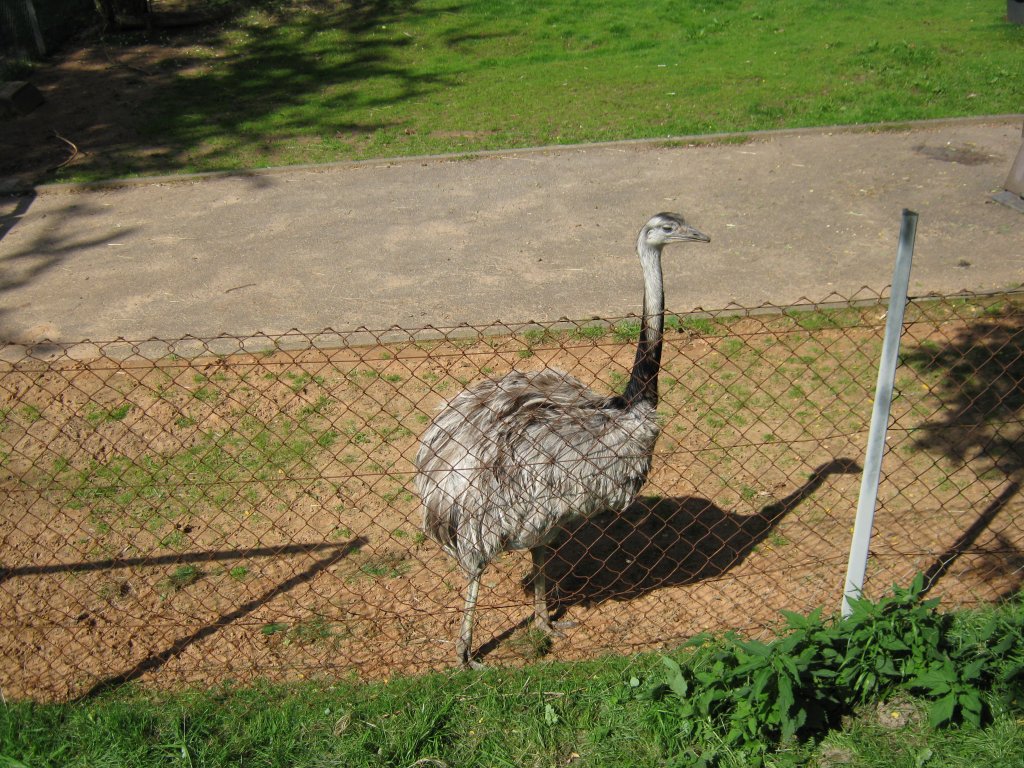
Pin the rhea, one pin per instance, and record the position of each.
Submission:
(508, 461)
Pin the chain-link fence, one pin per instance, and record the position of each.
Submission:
(223, 509)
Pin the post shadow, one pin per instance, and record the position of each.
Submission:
(159, 658)
(967, 539)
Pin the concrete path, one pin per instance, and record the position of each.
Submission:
(517, 235)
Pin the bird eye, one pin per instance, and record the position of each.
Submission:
(666, 228)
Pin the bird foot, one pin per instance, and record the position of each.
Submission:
(479, 666)
(552, 627)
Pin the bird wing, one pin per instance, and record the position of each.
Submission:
(509, 459)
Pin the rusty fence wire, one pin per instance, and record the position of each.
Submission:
(206, 510)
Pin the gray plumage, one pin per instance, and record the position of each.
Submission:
(507, 461)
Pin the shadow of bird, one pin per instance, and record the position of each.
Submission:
(660, 542)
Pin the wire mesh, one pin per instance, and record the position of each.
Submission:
(206, 510)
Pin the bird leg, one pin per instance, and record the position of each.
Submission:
(541, 619)
(465, 642)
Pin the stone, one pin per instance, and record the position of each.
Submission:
(19, 98)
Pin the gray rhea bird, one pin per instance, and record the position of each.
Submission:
(507, 461)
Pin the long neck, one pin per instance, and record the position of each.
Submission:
(643, 381)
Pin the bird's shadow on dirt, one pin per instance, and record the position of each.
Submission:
(657, 542)
(661, 542)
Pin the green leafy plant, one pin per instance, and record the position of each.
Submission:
(745, 697)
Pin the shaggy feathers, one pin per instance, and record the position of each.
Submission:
(536, 449)
(508, 461)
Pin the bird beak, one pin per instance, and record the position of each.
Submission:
(689, 234)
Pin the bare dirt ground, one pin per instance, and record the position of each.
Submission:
(197, 520)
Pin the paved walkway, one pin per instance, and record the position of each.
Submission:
(516, 235)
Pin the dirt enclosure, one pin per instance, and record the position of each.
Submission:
(225, 510)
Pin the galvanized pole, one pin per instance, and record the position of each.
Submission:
(880, 414)
(37, 34)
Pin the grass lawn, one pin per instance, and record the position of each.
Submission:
(606, 712)
(290, 82)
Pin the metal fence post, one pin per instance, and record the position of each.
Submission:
(857, 564)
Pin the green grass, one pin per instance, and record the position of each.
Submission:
(180, 578)
(289, 82)
(213, 474)
(614, 711)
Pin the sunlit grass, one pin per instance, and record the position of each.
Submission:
(612, 711)
(290, 83)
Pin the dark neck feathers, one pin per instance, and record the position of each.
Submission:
(643, 381)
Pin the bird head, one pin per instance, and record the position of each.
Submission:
(666, 228)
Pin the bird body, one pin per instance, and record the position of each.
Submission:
(508, 461)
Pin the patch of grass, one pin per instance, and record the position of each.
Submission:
(731, 347)
(618, 710)
(95, 415)
(206, 394)
(588, 333)
(386, 565)
(180, 578)
(530, 643)
(216, 472)
(700, 325)
(310, 631)
(30, 413)
(316, 408)
(626, 331)
(286, 82)
(618, 381)
(299, 381)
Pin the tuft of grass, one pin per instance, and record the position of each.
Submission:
(310, 631)
(30, 413)
(626, 331)
(530, 643)
(698, 325)
(588, 333)
(95, 415)
(180, 578)
(386, 565)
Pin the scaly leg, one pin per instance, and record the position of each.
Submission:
(541, 619)
(465, 642)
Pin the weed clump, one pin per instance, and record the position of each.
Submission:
(743, 696)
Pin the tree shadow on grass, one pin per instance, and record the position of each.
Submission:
(287, 77)
(979, 425)
(276, 84)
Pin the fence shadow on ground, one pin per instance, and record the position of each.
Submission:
(156, 660)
